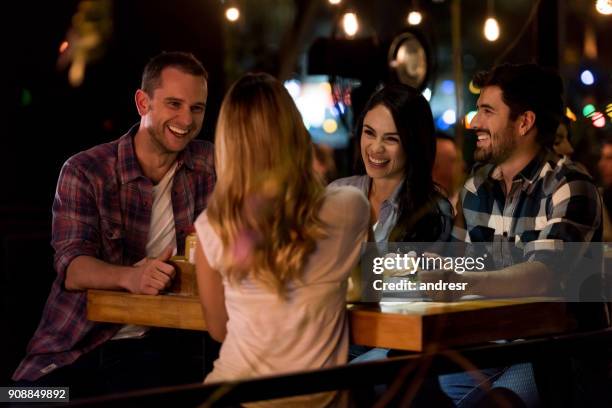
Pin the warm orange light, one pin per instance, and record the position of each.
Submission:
(468, 119)
(232, 14)
(63, 46)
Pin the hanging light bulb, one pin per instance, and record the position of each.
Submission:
(232, 14)
(334, 2)
(350, 24)
(604, 7)
(491, 26)
(414, 18)
(491, 29)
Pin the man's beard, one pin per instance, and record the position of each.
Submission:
(483, 154)
(501, 146)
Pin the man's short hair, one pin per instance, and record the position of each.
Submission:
(529, 87)
(183, 61)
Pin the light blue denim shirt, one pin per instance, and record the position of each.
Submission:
(389, 209)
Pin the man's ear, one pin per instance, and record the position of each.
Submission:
(526, 122)
(142, 102)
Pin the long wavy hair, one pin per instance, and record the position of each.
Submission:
(419, 218)
(266, 201)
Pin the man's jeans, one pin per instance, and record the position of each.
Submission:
(165, 357)
(466, 389)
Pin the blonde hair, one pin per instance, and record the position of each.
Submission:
(265, 204)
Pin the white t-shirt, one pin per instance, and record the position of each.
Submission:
(268, 335)
(161, 229)
(161, 234)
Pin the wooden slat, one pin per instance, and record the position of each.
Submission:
(419, 325)
(386, 330)
(414, 326)
(174, 311)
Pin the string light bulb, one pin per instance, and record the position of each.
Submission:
(414, 18)
(491, 26)
(491, 29)
(604, 7)
(350, 24)
(232, 14)
(599, 120)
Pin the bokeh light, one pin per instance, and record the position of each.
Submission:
(468, 118)
(604, 7)
(414, 18)
(588, 110)
(491, 29)
(232, 14)
(448, 87)
(587, 77)
(63, 46)
(330, 125)
(441, 124)
(473, 88)
(449, 117)
(599, 120)
(293, 87)
(350, 24)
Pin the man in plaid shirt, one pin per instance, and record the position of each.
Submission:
(121, 209)
(520, 195)
(520, 198)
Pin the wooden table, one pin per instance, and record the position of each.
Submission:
(414, 326)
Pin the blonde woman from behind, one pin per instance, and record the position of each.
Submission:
(276, 247)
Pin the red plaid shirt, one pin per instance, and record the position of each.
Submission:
(102, 208)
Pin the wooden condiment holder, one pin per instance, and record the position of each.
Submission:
(184, 282)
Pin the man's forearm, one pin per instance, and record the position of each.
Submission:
(87, 272)
(524, 279)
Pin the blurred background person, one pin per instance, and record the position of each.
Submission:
(448, 170)
(323, 162)
(605, 176)
(605, 171)
(562, 145)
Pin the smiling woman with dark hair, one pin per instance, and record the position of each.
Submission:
(397, 153)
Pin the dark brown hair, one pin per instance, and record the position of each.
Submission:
(529, 87)
(182, 61)
(419, 218)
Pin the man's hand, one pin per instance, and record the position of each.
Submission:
(152, 275)
(447, 276)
